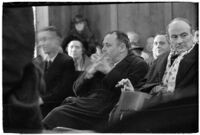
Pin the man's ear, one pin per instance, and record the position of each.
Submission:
(193, 32)
(168, 38)
(122, 47)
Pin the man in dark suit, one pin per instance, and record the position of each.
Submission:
(95, 88)
(59, 69)
(173, 83)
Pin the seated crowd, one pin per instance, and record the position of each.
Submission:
(83, 82)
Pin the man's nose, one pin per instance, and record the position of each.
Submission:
(73, 49)
(40, 43)
(158, 45)
(103, 49)
(179, 40)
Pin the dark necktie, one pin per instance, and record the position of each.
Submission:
(173, 58)
(47, 65)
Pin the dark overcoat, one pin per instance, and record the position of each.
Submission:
(97, 96)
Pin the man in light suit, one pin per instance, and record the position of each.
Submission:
(59, 69)
(95, 90)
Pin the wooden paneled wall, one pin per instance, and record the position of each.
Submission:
(144, 18)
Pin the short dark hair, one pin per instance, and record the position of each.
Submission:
(51, 29)
(180, 19)
(121, 37)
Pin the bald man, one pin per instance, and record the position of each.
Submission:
(160, 45)
(175, 73)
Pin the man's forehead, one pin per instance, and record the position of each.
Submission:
(47, 33)
(110, 38)
(160, 37)
(178, 25)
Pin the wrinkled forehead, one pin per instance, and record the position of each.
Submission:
(178, 27)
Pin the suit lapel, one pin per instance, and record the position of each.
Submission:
(117, 72)
(157, 70)
(122, 65)
(187, 62)
(52, 69)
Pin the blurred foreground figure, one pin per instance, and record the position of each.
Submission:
(21, 80)
(59, 69)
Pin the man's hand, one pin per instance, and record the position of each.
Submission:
(159, 89)
(125, 84)
(104, 65)
(96, 60)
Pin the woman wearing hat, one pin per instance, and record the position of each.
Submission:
(80, 30)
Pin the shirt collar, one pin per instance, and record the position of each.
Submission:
(51, 59)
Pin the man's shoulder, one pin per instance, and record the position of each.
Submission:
(134, 58)
(64, 57)
(163, 56)
(161, 59)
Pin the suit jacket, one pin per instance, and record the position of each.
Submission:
(186, 80)
(96, 96)
(59, 79)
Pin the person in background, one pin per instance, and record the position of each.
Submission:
(76, 50)
(135, 47)
(22, 80)
(160, 45)
(81, 30)
(59, 69)
(196, 36)
(147, 53)
(95, 90)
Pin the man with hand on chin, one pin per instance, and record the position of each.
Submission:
(95, 90)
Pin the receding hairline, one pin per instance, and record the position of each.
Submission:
(179, 20)
(50, 29)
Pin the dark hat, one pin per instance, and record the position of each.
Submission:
(78, 19)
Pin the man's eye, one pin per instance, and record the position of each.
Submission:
(173, 37)
(184, 35)
(108, 45)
